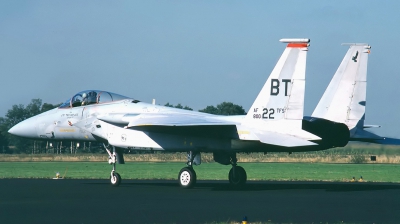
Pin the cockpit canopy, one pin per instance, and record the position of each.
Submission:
(88, 97)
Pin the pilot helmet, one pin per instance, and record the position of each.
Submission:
(84, 95)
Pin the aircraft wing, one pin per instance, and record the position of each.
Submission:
(163, 119)
(188, 123)
(184, 124)
(173, 123)
(176, 120)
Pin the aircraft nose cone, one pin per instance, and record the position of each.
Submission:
(25, 128)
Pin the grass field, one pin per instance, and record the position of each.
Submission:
(207, 171)
(352, 153)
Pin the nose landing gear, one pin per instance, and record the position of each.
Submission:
(115, 178)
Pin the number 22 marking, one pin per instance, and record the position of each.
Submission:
(266, 115)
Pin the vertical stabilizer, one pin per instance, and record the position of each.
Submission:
(345, 98)
(282, 97)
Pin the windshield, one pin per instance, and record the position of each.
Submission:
(89, 97)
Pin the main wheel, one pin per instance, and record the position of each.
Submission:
(115, 179)
(187, 177)
(237, 176)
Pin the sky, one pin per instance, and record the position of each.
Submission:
(196, 53)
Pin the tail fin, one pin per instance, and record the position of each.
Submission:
(282, 96)
(345, 98)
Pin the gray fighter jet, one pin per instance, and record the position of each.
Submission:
(273, 123)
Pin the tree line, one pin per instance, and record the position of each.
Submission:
(14, 145)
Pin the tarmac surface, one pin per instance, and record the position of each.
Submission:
(156, 201)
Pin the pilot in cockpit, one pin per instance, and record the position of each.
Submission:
(89, 98)
(84, 99)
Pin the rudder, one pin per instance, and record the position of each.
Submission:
(282, 96)
(344, 100)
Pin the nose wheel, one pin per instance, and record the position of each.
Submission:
(115, 179)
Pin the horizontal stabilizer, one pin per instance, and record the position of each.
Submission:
(274, 138)
(362, 135)
(371, 126)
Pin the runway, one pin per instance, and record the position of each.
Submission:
(156, 201)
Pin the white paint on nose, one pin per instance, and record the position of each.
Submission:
(26, 128)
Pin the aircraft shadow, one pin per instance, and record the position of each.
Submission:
(269, 185)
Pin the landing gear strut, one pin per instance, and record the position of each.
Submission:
(115, 178)
(237, 175)
(187, 176)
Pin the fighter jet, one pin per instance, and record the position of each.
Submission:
(344, 101)
(273, 123)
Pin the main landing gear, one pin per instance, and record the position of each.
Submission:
(237, 175)
(187, 176)
(115, 178)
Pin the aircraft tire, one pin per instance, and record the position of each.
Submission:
(187, 177)
(115, 179)
(240, 177)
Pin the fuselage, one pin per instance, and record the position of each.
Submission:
(107, 121)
